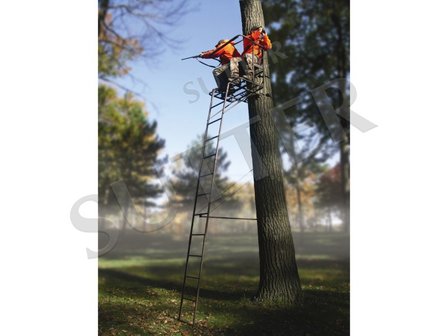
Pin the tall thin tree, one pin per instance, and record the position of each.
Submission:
(279, 277)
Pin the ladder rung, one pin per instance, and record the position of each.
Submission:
(204, 194)
(205, 175)
(216, 105)
(195, 255)
(198, 234)
(208, 156)
(212, 122)
(192, 277)
(201, 214)
(209, 139)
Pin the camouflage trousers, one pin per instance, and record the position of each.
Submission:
(231, 69)
(251, 59)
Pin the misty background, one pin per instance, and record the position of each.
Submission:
(152, 113)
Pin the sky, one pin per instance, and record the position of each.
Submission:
(173, 93)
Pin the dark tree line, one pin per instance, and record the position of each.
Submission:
(314, 35)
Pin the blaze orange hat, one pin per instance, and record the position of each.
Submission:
(221, 42)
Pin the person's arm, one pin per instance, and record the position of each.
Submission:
(208, 54)
(213, 53)
(247, 43)
(266, 42)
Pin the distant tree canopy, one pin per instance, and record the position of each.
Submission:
(128, 29)
(328, 188)
(315, 38)
(185, 176)
(307, 151)
(129, 147)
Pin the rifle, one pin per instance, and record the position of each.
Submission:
(197, 56)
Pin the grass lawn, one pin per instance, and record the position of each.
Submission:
(140, 282)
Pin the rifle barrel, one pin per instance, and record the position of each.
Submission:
(196, 56)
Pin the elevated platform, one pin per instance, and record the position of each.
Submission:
(239, 90)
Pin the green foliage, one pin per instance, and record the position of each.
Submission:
(115, 47)
(129, 147)
(128, 144)
(314, 35)
(184, 179)
(112, 58)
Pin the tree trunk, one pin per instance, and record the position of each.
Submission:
(279, 277)
(300, 206)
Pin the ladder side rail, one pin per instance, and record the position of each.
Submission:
(210, 201)
(227, 108)
(194, 210)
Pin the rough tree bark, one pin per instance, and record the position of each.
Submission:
(279, 277)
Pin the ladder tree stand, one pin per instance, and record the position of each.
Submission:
(207, 196)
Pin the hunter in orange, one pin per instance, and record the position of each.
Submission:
(253, 45)
(229, 57)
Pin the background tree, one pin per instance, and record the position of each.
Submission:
(307, 199)
(306, 149)
(279, 278)
(327, 192)
(184, 178)
(315, 36)
(129, 147)
(133, 29)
